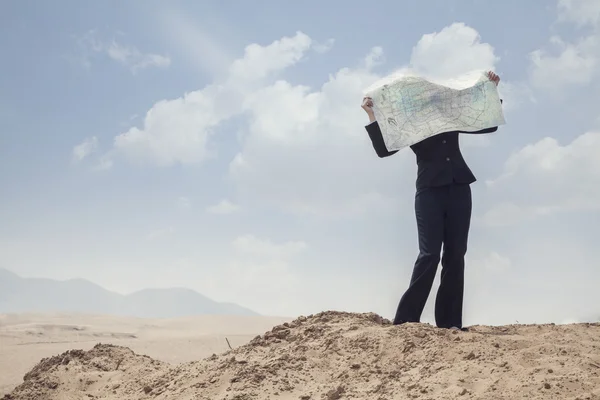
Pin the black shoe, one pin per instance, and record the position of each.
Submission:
(459, 329)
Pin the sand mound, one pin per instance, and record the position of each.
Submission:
(336, 355)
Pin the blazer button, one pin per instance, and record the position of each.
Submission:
(447, 158)
(443, 141)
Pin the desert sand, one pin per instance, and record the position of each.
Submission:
(27, 338)
(328, 356)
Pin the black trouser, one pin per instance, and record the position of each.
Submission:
(443, 216)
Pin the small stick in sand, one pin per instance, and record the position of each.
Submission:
(228, 344)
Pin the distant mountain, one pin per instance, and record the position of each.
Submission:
(19, 294)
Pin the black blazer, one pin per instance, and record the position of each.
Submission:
(439, 159)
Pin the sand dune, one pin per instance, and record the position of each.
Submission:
(340, 355)
(27, 338)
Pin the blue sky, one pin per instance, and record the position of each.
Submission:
(221, 146)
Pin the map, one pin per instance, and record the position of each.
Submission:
(411, 109)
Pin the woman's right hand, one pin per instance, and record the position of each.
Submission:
(367, 105)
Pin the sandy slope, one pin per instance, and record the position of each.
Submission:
(338, 355)
(27, 338)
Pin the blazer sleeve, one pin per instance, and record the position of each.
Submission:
(487, 130)
(376, 137)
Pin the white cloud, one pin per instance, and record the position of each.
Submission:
(436, 53)
(547, 177)
(514, 95)
(304, 150)
(260, 275)
(134, 59)
(575, 64)
(85, 148)
(184, 203)
(104, 163)
(249, 244)
(508, 213)
(128, 56)
(374, 58)
(485, 264)
(325, 46)
(160, 233)
(571, 63)
(297, 150)
(177, 131)
(434, 57)
(259, 61)
(581, 12)
(270, 286)
(223, 207)
(494, 262)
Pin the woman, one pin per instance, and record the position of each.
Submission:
(443, 211)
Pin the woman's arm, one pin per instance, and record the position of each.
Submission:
(374, 130)
(376, 137)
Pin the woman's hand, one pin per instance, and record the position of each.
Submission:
(493, 77)
(367, 105)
